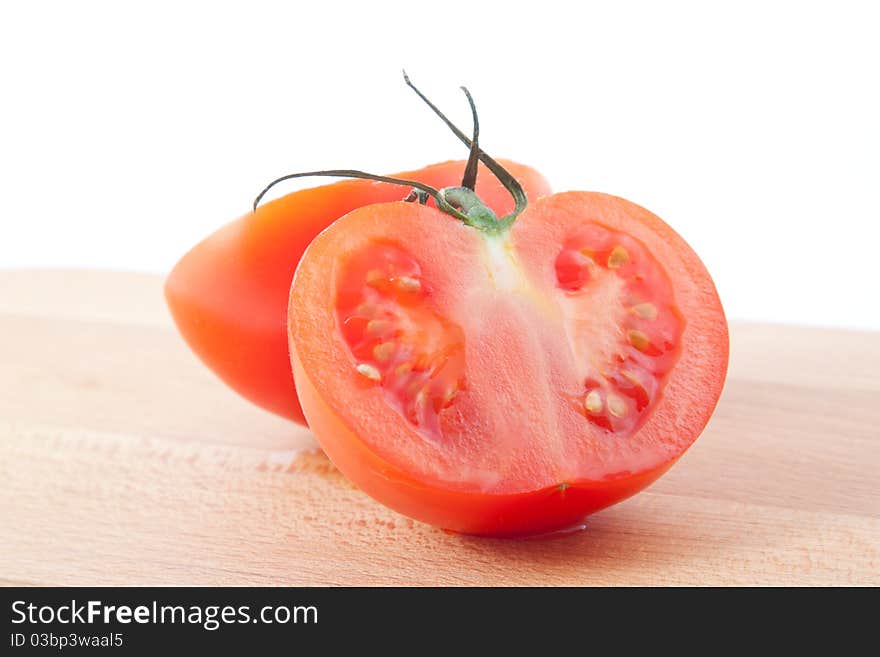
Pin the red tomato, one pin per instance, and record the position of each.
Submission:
(510, 383)
(229, 294)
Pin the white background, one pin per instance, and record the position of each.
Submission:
(128, 132)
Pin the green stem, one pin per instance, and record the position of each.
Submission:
(438, 195)
(469, 179)
(346, 173)
(510, 183)
(460, 202)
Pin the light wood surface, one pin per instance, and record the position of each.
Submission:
(123, 461)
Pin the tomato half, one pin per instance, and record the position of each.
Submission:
(229, 294)
(505, 384)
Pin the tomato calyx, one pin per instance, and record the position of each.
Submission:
(460, 202)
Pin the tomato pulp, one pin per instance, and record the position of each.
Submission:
(512, 382)
(229, 294)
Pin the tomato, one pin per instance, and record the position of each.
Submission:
(229, 294)
(511, 381)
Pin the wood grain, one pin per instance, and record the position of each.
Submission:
(123, 461)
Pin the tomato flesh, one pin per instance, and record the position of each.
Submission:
(508, 384)
(619, 317)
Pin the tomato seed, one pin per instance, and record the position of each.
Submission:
(409, 284)
(369, 371)
(636, 390)
(618, 257)
(383, 351)
(645, 310)
(375, 277)
(616, 406)
(593, 402)
(377, 327)
(638, 339)
(367, 309)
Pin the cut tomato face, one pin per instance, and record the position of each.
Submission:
(505, 383)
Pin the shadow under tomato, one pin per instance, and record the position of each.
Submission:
(637, 542)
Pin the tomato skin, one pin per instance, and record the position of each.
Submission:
(229, 294)
(523, 514)
(340, 408)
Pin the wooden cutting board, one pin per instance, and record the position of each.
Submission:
(123, 461)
